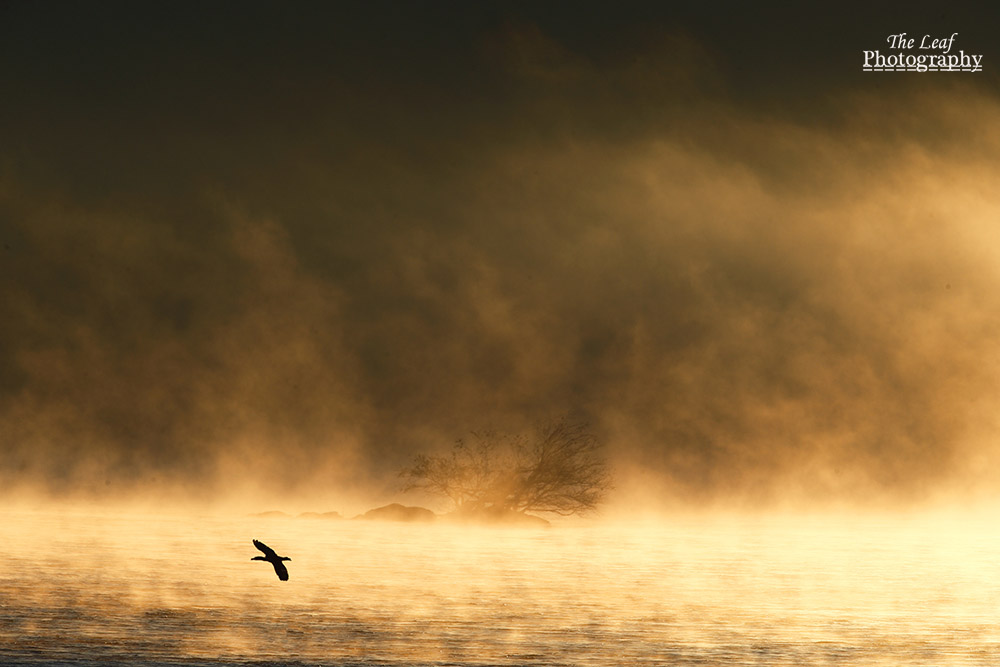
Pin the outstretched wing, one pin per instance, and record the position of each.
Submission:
(280, 570)
(266, 550)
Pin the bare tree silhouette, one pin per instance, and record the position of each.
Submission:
(559, 469)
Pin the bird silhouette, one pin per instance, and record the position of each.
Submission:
(272, 558)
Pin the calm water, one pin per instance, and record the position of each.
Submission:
(89, 589)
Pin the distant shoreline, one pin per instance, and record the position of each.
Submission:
(414, 514)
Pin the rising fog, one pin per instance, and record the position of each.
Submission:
(233, 265)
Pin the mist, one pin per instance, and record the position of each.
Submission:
(280, 271)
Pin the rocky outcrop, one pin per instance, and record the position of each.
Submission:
(397, 512)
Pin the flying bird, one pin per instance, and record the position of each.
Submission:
(272, 558)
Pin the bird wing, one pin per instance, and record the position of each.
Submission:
(280, 570)
(266, 550)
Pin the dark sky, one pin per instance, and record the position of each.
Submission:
(285, 246)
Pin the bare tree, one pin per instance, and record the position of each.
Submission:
(558, 469)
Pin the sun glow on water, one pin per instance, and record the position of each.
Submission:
(149, 590)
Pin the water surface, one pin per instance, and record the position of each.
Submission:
(88, 588)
